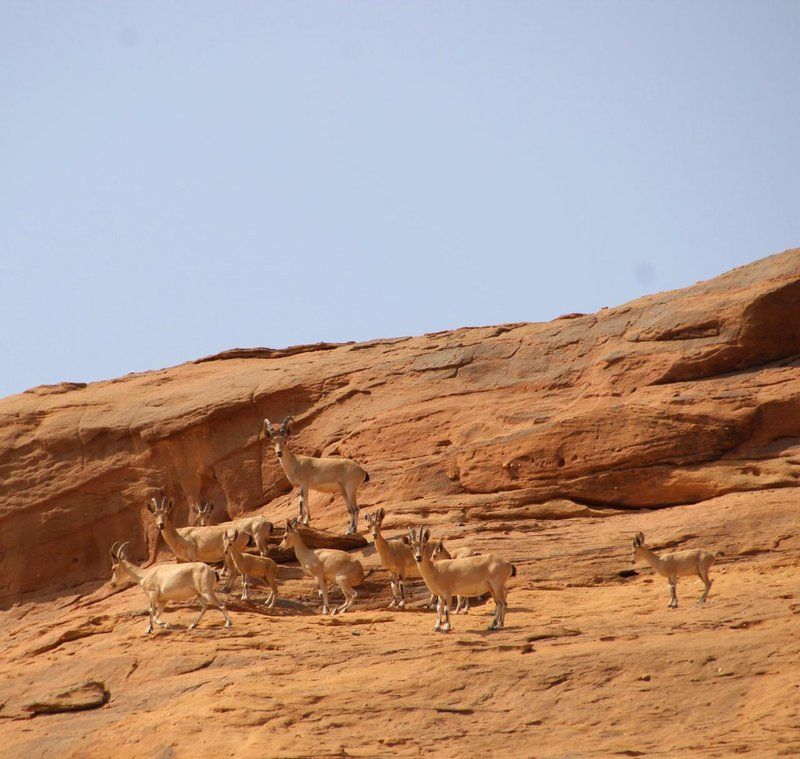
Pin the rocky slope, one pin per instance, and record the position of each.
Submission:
(551, 444)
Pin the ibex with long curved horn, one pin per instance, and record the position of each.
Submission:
(169, 582)
(326, 475)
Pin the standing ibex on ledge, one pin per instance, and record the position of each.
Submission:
(326, 475)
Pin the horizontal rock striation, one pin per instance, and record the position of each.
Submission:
(674, 398)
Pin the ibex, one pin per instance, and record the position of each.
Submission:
(250, 566)
(439, 553)
(396, 557)
(461, 577)
(326, 475)
(193, 543)
(257, 527)
(674, 565)
(325, 565)
(169, 582)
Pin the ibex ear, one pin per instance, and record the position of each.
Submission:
(381, 513)
(170, 505)
(405, 539)
(268, 428)
(367, 518)
(197, 508)
(152, 505)
(425, 535)
(640, 538)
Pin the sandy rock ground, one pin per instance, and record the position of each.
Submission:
(591, 663)
(677, 414)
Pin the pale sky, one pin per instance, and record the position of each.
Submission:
(177, 178)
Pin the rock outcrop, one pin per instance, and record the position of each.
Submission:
(670, 399)
(549, 444)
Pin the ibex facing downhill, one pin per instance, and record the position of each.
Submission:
(325, 475)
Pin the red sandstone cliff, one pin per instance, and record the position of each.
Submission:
(670, 399)
(549, 444)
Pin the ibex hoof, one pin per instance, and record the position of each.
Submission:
(229, 623)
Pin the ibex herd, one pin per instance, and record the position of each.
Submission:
(460, 575)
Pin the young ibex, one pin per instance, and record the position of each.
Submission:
(325, 565)
(439, 553)
(472, 576)
(249, 566)
(674, 565)
(396, 557)
(193, 543)
(169, 582)
(326, 475)
(257, 527)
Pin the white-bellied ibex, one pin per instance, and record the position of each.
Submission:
(472, 576)
(257, 527)
(674, 565)
(325, 565)
(439, 553)
(396, 558)
(250, 566)
(326, 475)
(169, 582)
(193, 543)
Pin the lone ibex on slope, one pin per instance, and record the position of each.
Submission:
(169, 582)
(674, 565)
(326, 475)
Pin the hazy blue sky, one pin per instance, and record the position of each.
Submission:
(181, 178)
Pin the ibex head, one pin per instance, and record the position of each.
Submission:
(279, 439)
(638, 544)
(418, 540)
(374, 521)
(229, 539)
(118, 555)
(203, 512)
(160, 510)
(439, 551)
(289, 536)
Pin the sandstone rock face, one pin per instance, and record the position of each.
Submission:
(670, 399)
(550, 444)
